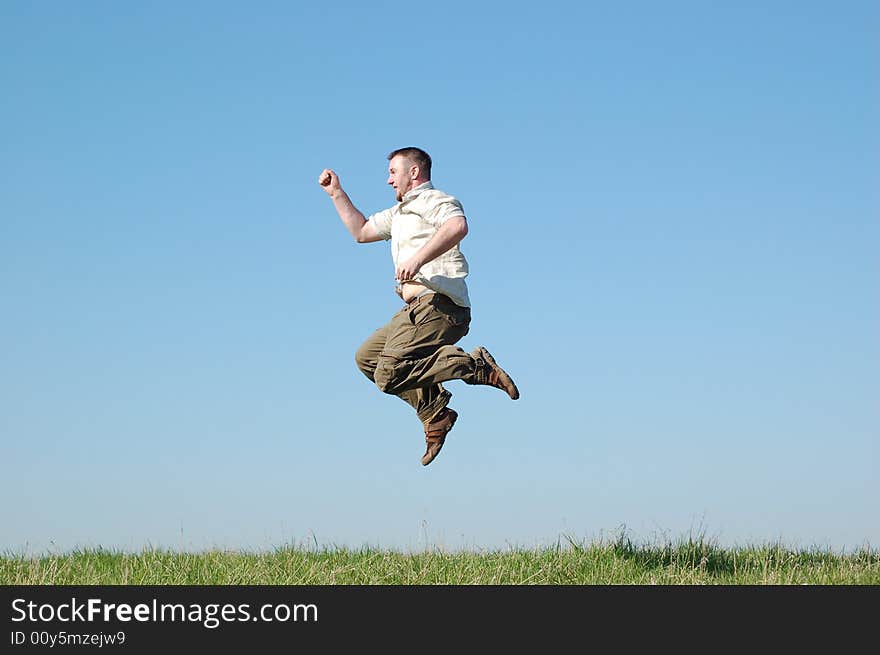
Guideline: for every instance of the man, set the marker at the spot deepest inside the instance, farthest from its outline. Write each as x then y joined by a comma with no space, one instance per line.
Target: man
413,354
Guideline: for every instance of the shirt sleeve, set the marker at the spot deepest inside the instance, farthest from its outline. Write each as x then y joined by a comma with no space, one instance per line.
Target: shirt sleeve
382,222
446,209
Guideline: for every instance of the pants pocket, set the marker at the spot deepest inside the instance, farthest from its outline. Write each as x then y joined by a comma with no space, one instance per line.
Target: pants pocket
455,315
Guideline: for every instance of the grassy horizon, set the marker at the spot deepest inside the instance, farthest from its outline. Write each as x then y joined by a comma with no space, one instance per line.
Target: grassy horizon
686,562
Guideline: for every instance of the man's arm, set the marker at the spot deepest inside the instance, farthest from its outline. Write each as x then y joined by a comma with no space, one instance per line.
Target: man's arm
360,228
449,234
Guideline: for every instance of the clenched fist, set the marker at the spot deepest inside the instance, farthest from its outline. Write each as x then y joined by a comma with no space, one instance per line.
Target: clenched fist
329,181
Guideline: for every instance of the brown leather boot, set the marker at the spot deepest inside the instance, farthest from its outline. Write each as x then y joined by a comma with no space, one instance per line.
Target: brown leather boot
435,433
488,372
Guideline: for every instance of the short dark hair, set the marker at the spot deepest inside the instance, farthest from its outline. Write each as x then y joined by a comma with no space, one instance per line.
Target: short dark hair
416,155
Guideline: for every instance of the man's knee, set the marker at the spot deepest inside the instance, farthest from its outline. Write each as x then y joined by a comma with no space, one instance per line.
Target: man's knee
365,363
388,375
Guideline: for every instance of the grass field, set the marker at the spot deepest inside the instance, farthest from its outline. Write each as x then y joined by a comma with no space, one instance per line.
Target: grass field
687,562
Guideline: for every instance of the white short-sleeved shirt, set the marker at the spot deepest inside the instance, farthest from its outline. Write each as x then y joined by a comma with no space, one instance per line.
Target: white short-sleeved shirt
411,223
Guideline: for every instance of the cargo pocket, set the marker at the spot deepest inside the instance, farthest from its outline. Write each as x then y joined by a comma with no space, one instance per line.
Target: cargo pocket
456,315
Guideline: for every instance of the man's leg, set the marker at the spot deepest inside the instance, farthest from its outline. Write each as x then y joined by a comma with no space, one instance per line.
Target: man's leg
367,359
413,354
418,354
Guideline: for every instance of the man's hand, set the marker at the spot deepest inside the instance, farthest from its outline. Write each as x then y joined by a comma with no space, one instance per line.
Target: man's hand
330,182
407,270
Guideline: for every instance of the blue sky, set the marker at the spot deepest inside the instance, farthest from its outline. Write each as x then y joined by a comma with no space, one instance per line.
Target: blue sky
673,214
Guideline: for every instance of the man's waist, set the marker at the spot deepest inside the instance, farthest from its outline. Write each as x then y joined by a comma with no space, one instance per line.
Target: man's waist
411,291
454,289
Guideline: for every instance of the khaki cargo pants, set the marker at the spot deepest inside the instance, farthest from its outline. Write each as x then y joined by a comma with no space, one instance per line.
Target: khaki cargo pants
411,355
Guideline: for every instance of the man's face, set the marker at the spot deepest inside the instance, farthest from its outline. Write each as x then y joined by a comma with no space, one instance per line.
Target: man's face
401,175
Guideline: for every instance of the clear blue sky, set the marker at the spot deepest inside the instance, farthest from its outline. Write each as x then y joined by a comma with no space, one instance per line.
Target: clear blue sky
673,243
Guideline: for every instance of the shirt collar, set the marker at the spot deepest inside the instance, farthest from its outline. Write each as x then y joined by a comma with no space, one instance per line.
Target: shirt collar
412,193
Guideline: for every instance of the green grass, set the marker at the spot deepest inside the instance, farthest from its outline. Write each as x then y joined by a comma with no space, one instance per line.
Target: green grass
687,562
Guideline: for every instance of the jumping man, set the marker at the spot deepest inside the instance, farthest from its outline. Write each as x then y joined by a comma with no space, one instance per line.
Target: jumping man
413,354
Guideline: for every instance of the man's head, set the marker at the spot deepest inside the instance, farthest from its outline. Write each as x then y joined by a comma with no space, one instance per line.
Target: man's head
408,168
